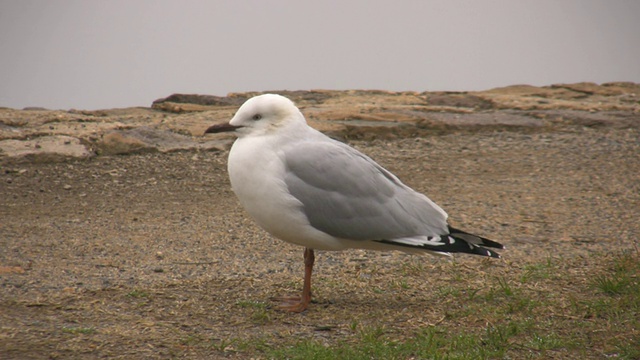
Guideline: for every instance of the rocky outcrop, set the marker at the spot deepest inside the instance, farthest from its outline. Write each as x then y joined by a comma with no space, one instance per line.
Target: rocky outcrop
46,148
147,138
177,122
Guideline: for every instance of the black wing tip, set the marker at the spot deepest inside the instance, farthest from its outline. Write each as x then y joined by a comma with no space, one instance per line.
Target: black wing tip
490,253
474,249
476,245
452,244
492,244
484,242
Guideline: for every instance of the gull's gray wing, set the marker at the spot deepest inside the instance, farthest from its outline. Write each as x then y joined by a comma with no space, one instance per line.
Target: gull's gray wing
347,195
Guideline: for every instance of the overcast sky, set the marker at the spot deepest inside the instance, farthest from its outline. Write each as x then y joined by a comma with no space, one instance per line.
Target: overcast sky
84,54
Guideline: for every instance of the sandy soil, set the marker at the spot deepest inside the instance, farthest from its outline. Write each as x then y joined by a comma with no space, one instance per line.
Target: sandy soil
133,256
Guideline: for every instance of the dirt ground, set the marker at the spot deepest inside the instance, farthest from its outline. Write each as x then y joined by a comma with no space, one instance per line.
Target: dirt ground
143,256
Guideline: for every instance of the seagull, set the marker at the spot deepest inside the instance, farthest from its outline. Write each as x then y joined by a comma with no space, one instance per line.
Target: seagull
310,190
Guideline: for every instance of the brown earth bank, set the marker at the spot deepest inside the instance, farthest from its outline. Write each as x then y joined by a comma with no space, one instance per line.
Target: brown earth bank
135,247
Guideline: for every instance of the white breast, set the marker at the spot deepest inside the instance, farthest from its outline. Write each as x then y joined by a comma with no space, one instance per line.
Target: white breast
256,171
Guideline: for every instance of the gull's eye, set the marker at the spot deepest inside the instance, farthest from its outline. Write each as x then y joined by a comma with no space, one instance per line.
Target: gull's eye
256,117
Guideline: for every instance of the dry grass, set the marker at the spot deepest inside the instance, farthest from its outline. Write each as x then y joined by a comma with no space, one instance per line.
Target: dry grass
150,256
579,308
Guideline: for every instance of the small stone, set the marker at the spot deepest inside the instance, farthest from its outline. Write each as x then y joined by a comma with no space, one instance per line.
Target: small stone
67,187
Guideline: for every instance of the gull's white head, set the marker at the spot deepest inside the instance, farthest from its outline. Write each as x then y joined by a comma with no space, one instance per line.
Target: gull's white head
262,114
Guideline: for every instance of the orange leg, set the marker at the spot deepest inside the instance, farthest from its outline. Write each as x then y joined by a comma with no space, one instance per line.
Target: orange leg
297,303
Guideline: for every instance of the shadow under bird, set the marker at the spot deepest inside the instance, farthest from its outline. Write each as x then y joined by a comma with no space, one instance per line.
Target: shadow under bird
308,189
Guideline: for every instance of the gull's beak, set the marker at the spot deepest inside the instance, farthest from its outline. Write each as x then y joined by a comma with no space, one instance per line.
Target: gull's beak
218,128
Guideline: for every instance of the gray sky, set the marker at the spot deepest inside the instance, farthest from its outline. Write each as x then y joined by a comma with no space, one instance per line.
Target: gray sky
84,54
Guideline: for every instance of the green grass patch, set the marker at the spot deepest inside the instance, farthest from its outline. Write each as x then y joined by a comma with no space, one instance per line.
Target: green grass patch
251,304
79,330
621,277
259,312
584,308
432,343
536,311
138,294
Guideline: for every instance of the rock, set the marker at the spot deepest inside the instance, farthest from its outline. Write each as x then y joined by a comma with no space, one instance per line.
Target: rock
146,139
625,86
181,103
580,97
591,88
122,142
300,97
207,100
45,149
178,108
458,100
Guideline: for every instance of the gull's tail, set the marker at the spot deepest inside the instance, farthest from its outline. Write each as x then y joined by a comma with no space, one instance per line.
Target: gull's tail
457,241
475,244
